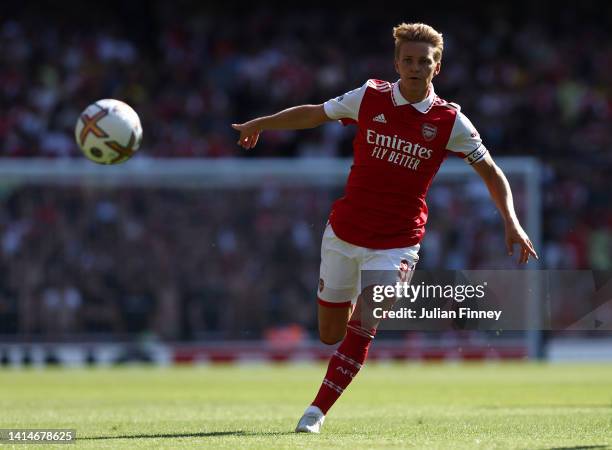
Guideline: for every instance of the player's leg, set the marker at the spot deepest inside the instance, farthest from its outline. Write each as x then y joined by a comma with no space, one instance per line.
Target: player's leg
339,279
349,357
332,322
338,282
383,267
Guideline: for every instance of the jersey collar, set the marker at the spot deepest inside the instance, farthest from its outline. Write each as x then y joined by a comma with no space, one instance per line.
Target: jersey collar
422,106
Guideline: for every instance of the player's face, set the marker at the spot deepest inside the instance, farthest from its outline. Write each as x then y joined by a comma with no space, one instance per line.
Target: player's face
416,66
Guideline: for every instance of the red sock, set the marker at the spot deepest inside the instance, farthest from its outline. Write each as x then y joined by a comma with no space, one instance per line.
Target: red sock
344,364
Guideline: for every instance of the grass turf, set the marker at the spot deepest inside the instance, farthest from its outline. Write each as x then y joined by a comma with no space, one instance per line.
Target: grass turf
444,406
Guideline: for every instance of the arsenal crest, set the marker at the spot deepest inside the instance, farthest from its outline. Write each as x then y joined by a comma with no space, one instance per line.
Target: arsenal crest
429,131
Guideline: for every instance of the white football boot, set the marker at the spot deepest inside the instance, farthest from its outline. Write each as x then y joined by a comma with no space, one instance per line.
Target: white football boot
311,421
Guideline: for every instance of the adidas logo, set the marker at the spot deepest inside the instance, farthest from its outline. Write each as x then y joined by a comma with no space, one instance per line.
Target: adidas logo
380,118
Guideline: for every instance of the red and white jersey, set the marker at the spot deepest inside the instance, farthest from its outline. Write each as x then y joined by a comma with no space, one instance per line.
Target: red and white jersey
398,148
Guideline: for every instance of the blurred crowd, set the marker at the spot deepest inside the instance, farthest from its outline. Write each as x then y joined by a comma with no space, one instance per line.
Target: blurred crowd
534,82
175,263
193,264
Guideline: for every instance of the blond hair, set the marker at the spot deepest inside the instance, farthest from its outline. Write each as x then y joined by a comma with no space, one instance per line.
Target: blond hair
418,32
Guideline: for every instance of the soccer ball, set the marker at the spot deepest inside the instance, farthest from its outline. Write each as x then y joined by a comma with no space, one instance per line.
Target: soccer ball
108,132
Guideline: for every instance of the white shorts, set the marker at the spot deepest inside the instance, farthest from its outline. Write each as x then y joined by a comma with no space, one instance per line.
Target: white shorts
342,265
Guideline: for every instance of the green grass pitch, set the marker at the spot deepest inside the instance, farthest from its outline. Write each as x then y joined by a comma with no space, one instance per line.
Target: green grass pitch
445,406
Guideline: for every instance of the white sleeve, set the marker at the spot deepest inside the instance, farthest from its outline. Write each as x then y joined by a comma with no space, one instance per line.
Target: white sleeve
346,106
465,139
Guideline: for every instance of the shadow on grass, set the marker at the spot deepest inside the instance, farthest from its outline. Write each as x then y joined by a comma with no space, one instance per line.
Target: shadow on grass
580,447
583,406
183,435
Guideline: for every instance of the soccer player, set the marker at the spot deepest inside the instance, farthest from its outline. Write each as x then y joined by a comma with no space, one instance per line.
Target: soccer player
404,132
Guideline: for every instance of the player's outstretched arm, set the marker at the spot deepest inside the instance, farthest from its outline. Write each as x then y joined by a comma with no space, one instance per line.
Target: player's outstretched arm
296,118
499,188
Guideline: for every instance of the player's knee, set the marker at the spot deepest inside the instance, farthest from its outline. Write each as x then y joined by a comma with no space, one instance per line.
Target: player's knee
330,336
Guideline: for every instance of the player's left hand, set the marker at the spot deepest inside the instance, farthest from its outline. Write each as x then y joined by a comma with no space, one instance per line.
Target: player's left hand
516,235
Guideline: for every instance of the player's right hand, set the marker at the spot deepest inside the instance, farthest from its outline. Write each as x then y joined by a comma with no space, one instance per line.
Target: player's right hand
249,134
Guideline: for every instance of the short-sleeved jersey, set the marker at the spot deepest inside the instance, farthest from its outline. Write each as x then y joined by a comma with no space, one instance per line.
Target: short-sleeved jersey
398,149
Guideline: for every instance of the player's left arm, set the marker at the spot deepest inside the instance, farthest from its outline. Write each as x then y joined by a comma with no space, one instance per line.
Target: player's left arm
465,141
500,191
